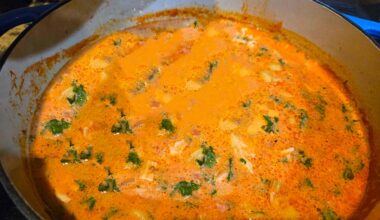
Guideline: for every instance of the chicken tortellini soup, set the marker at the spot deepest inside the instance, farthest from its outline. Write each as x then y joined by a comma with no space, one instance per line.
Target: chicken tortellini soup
204,118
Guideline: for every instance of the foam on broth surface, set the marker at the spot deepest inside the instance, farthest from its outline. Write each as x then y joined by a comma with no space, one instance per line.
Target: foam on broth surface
209,118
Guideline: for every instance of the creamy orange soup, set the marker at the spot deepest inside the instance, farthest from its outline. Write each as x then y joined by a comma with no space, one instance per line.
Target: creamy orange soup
211,119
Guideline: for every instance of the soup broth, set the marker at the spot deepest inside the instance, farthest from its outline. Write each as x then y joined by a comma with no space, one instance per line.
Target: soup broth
206,118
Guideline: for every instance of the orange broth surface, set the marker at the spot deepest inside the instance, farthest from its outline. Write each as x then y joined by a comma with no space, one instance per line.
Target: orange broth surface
212,119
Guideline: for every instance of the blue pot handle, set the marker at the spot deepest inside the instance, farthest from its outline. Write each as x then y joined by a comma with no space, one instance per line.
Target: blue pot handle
25,15
371,28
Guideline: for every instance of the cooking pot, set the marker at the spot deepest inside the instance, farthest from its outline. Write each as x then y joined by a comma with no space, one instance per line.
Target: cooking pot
64,24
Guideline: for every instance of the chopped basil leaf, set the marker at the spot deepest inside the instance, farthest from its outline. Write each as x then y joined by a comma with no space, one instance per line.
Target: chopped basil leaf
306,161
134,158
56,127
320,107
153,73
86,154
117,42
186,188
276,99
111,212
209,157
108,185
328,214
243,161
112,99
140,86
213,192
210,70
71,156
121,127
195,24
99,158
348,174
281,61
344,108
230,173
247,104
263,50
79,97
271,126
82,186
308,183
90,202
304,117
167,125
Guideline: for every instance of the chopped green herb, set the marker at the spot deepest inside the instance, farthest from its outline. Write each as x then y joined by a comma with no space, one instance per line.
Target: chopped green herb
191,205
90,202
284,160
306,161
243,161
281,61
134,158
121,111
344,108
112,99
350,125
86,154
108,169
348,174
99,158
111,212
131,146
213,192
82,186
289,105
186,188
336,191
195,24
265,181
247,104
263,49
328,214
209,157
304,117
79,95
153,73
271,126
71,156
230,173
358,165
167,125
121,127
276,99
211,68
140,86
56,127
308,183
108,185
117,42
320,107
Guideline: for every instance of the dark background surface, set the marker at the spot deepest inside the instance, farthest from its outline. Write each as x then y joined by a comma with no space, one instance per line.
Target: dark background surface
369,9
